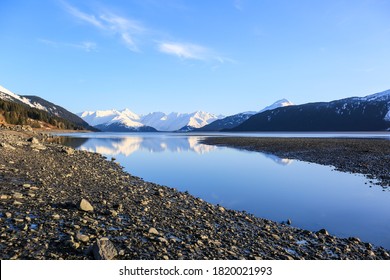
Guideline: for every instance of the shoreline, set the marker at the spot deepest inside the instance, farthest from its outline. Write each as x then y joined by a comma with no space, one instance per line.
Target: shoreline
42,185
370,157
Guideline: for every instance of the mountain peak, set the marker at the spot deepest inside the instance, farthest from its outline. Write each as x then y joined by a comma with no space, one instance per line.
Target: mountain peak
163,122
280,103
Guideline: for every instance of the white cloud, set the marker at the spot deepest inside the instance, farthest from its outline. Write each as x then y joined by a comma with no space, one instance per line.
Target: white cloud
86,46
131,32
191,51
188,51
91,19
129,42
110,22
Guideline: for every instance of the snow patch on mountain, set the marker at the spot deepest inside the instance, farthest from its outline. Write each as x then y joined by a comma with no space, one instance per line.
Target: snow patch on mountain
380,96
158,120
280,103
8,95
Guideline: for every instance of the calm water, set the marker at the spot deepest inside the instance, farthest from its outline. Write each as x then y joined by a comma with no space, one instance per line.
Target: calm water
311,195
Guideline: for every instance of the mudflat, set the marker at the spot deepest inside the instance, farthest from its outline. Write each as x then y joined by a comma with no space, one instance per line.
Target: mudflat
61,203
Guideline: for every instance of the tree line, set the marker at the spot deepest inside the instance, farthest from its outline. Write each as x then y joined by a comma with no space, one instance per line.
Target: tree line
19,114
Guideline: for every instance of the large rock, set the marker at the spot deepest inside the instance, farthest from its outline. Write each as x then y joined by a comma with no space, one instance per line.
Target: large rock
67,150
33,140
85,205
6,146
104,249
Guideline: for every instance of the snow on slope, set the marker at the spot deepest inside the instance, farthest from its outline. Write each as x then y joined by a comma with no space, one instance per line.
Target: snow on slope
157,120
175,121
277,104
98,117
8,95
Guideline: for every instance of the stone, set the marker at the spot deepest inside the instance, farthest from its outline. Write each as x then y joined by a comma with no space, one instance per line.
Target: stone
82,237
67,150
220,208
152,230
56,217
38,147
289,222
6,146
275,236
113,213
323,231
8,215
84,205
104,249
33,140
17,195
162,240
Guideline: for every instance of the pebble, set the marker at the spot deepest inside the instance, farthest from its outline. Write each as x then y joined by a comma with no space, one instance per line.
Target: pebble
84,205
56,217
154,231
82,237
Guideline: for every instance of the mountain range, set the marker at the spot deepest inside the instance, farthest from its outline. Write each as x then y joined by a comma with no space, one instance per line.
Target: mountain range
369,113
126,120
235,120
38,112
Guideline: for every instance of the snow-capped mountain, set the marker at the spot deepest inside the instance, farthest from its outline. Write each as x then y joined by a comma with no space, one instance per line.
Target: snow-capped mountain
150,122
8,95
115,121
369,113
280,103
235,120
37,103
178,121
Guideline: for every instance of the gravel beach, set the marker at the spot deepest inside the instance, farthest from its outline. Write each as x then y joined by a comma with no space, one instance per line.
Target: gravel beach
61,203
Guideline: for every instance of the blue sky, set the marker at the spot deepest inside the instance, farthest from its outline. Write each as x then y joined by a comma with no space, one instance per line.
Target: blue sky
220,56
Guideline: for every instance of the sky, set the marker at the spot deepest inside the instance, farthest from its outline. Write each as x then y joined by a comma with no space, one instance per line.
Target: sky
220,56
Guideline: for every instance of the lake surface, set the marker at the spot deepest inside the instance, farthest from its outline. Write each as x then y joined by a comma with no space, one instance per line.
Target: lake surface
311,195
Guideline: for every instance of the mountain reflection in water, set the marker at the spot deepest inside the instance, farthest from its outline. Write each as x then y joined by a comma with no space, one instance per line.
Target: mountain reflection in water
128,146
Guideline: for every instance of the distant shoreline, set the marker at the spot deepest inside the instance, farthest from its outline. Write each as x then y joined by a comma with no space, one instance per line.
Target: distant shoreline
356,155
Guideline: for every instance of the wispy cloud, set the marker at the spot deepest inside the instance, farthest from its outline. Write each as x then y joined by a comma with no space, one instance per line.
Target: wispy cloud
238,4
187,51
82,16
85,46
132,32
125,28
190,51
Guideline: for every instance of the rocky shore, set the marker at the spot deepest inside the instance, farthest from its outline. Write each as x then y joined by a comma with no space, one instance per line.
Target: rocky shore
60,203
370,157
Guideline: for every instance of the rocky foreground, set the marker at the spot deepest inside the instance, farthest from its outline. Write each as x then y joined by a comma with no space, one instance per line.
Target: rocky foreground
60,203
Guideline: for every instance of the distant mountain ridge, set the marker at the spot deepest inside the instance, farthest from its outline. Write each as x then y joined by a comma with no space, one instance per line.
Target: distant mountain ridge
18,109
235,120
369,113
126,120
